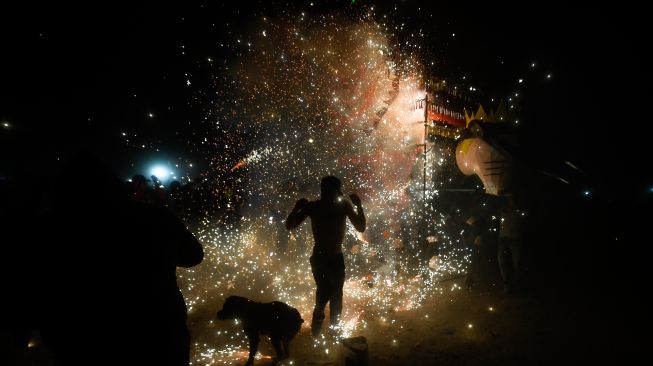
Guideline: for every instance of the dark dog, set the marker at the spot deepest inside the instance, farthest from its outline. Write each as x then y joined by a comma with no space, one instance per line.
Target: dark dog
275,318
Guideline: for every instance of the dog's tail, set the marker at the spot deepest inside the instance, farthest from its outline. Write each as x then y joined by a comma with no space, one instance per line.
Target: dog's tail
298,316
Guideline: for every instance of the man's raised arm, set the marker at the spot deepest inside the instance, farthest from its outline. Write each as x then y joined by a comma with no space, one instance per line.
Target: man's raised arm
357,218
298,214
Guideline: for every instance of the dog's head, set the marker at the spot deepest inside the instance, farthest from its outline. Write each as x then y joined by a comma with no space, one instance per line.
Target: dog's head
232,307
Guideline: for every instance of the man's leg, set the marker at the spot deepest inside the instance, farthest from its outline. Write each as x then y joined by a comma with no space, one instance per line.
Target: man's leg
322,293
337,277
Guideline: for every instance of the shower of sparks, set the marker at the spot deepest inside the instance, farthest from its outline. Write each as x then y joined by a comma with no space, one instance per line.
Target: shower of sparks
307,97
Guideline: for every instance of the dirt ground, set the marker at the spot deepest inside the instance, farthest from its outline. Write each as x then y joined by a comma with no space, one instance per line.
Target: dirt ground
477,326
484,326
570,311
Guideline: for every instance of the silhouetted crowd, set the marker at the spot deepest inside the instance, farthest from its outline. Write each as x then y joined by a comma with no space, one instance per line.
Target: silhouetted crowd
218,200
94,271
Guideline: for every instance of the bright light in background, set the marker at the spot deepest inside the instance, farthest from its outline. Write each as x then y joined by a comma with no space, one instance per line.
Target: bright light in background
161,172
587,193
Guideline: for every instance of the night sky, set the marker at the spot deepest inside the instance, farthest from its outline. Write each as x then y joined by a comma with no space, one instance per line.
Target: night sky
78,75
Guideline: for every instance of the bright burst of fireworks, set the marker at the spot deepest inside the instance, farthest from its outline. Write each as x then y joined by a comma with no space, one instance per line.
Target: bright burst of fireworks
308,97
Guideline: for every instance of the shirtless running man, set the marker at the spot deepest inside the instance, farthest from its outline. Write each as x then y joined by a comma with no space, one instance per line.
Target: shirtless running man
328,222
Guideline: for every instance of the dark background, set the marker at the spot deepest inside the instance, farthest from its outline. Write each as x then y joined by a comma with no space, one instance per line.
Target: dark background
70,72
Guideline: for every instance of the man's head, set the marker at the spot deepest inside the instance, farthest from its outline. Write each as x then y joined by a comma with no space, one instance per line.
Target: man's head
330,187
140,182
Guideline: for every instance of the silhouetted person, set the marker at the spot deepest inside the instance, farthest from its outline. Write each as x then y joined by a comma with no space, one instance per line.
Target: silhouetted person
141,191
276,221
509,248
158,195
175,199
109,292
472,239
328,222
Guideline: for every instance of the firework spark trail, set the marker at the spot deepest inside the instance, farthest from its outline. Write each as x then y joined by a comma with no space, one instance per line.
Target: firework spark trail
306,98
